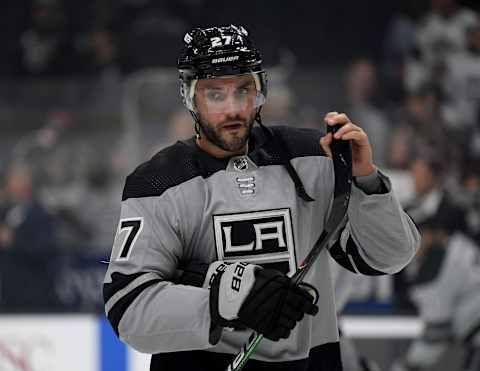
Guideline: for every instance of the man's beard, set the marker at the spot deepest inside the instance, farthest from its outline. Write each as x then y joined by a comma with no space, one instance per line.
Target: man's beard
236,143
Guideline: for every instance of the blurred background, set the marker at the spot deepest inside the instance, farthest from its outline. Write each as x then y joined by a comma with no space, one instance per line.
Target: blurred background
89,89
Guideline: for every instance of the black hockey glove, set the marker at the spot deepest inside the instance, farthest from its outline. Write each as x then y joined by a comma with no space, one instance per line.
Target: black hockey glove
265,300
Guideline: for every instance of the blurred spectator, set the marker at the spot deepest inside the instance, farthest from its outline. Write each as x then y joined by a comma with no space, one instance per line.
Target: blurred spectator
442,31
59,165
432,201
98,51
99,57
462,83
45,153
469,197
98,211
431,206
361,89
31,148
45,47
28,246
104,50
26,223
420,126
400,50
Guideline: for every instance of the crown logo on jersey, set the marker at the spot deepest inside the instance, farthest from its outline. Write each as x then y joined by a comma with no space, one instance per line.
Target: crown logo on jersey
240,164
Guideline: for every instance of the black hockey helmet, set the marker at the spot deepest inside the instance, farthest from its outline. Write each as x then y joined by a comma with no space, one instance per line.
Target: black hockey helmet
215,52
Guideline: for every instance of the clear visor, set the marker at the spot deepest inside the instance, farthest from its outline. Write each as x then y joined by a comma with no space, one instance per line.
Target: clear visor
227,94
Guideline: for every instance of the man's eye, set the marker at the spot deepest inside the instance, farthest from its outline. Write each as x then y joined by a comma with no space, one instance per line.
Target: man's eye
245,91
215,96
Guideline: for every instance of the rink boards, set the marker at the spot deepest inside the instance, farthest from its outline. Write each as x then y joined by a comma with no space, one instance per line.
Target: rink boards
87,343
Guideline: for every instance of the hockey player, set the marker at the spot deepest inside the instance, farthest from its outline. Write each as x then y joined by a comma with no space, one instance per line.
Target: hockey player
254,197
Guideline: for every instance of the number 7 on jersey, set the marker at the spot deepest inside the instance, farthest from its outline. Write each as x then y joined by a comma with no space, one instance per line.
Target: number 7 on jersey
133,226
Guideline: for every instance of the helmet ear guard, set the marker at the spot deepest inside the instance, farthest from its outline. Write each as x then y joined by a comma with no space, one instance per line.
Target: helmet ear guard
187,92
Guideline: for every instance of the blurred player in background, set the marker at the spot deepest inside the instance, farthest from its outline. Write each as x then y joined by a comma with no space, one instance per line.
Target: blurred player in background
446,292
444,278
202,215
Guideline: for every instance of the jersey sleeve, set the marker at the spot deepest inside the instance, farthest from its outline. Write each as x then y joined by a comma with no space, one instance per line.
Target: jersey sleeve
378,236
144,307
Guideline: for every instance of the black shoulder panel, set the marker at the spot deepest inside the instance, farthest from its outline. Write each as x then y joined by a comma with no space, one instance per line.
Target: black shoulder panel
170,167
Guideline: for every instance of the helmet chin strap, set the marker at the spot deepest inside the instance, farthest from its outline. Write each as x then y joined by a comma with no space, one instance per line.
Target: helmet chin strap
196,124
258,119
285,158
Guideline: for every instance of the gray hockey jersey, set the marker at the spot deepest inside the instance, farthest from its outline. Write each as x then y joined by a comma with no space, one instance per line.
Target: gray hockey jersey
184,205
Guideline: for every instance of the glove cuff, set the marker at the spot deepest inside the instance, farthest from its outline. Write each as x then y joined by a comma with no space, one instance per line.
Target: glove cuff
229,288
215,268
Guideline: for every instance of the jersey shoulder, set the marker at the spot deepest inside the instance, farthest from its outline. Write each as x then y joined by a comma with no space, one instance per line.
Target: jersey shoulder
168,168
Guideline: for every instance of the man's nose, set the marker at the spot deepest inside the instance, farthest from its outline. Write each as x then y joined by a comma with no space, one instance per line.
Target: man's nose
232,104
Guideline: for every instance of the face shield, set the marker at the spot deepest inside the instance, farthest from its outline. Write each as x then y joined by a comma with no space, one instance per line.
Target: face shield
227,94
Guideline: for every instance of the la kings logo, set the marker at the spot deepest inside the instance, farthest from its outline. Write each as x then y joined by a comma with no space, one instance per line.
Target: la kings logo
260,237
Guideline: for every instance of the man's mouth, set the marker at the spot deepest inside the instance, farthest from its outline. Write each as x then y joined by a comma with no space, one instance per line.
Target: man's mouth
232,125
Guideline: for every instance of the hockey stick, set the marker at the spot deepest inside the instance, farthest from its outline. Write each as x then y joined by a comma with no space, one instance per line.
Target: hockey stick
342,164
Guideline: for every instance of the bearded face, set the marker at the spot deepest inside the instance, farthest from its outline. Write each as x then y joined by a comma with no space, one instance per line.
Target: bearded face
226,110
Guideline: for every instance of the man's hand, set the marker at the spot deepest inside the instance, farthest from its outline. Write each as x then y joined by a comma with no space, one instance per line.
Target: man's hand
247,296
362,162
264,300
